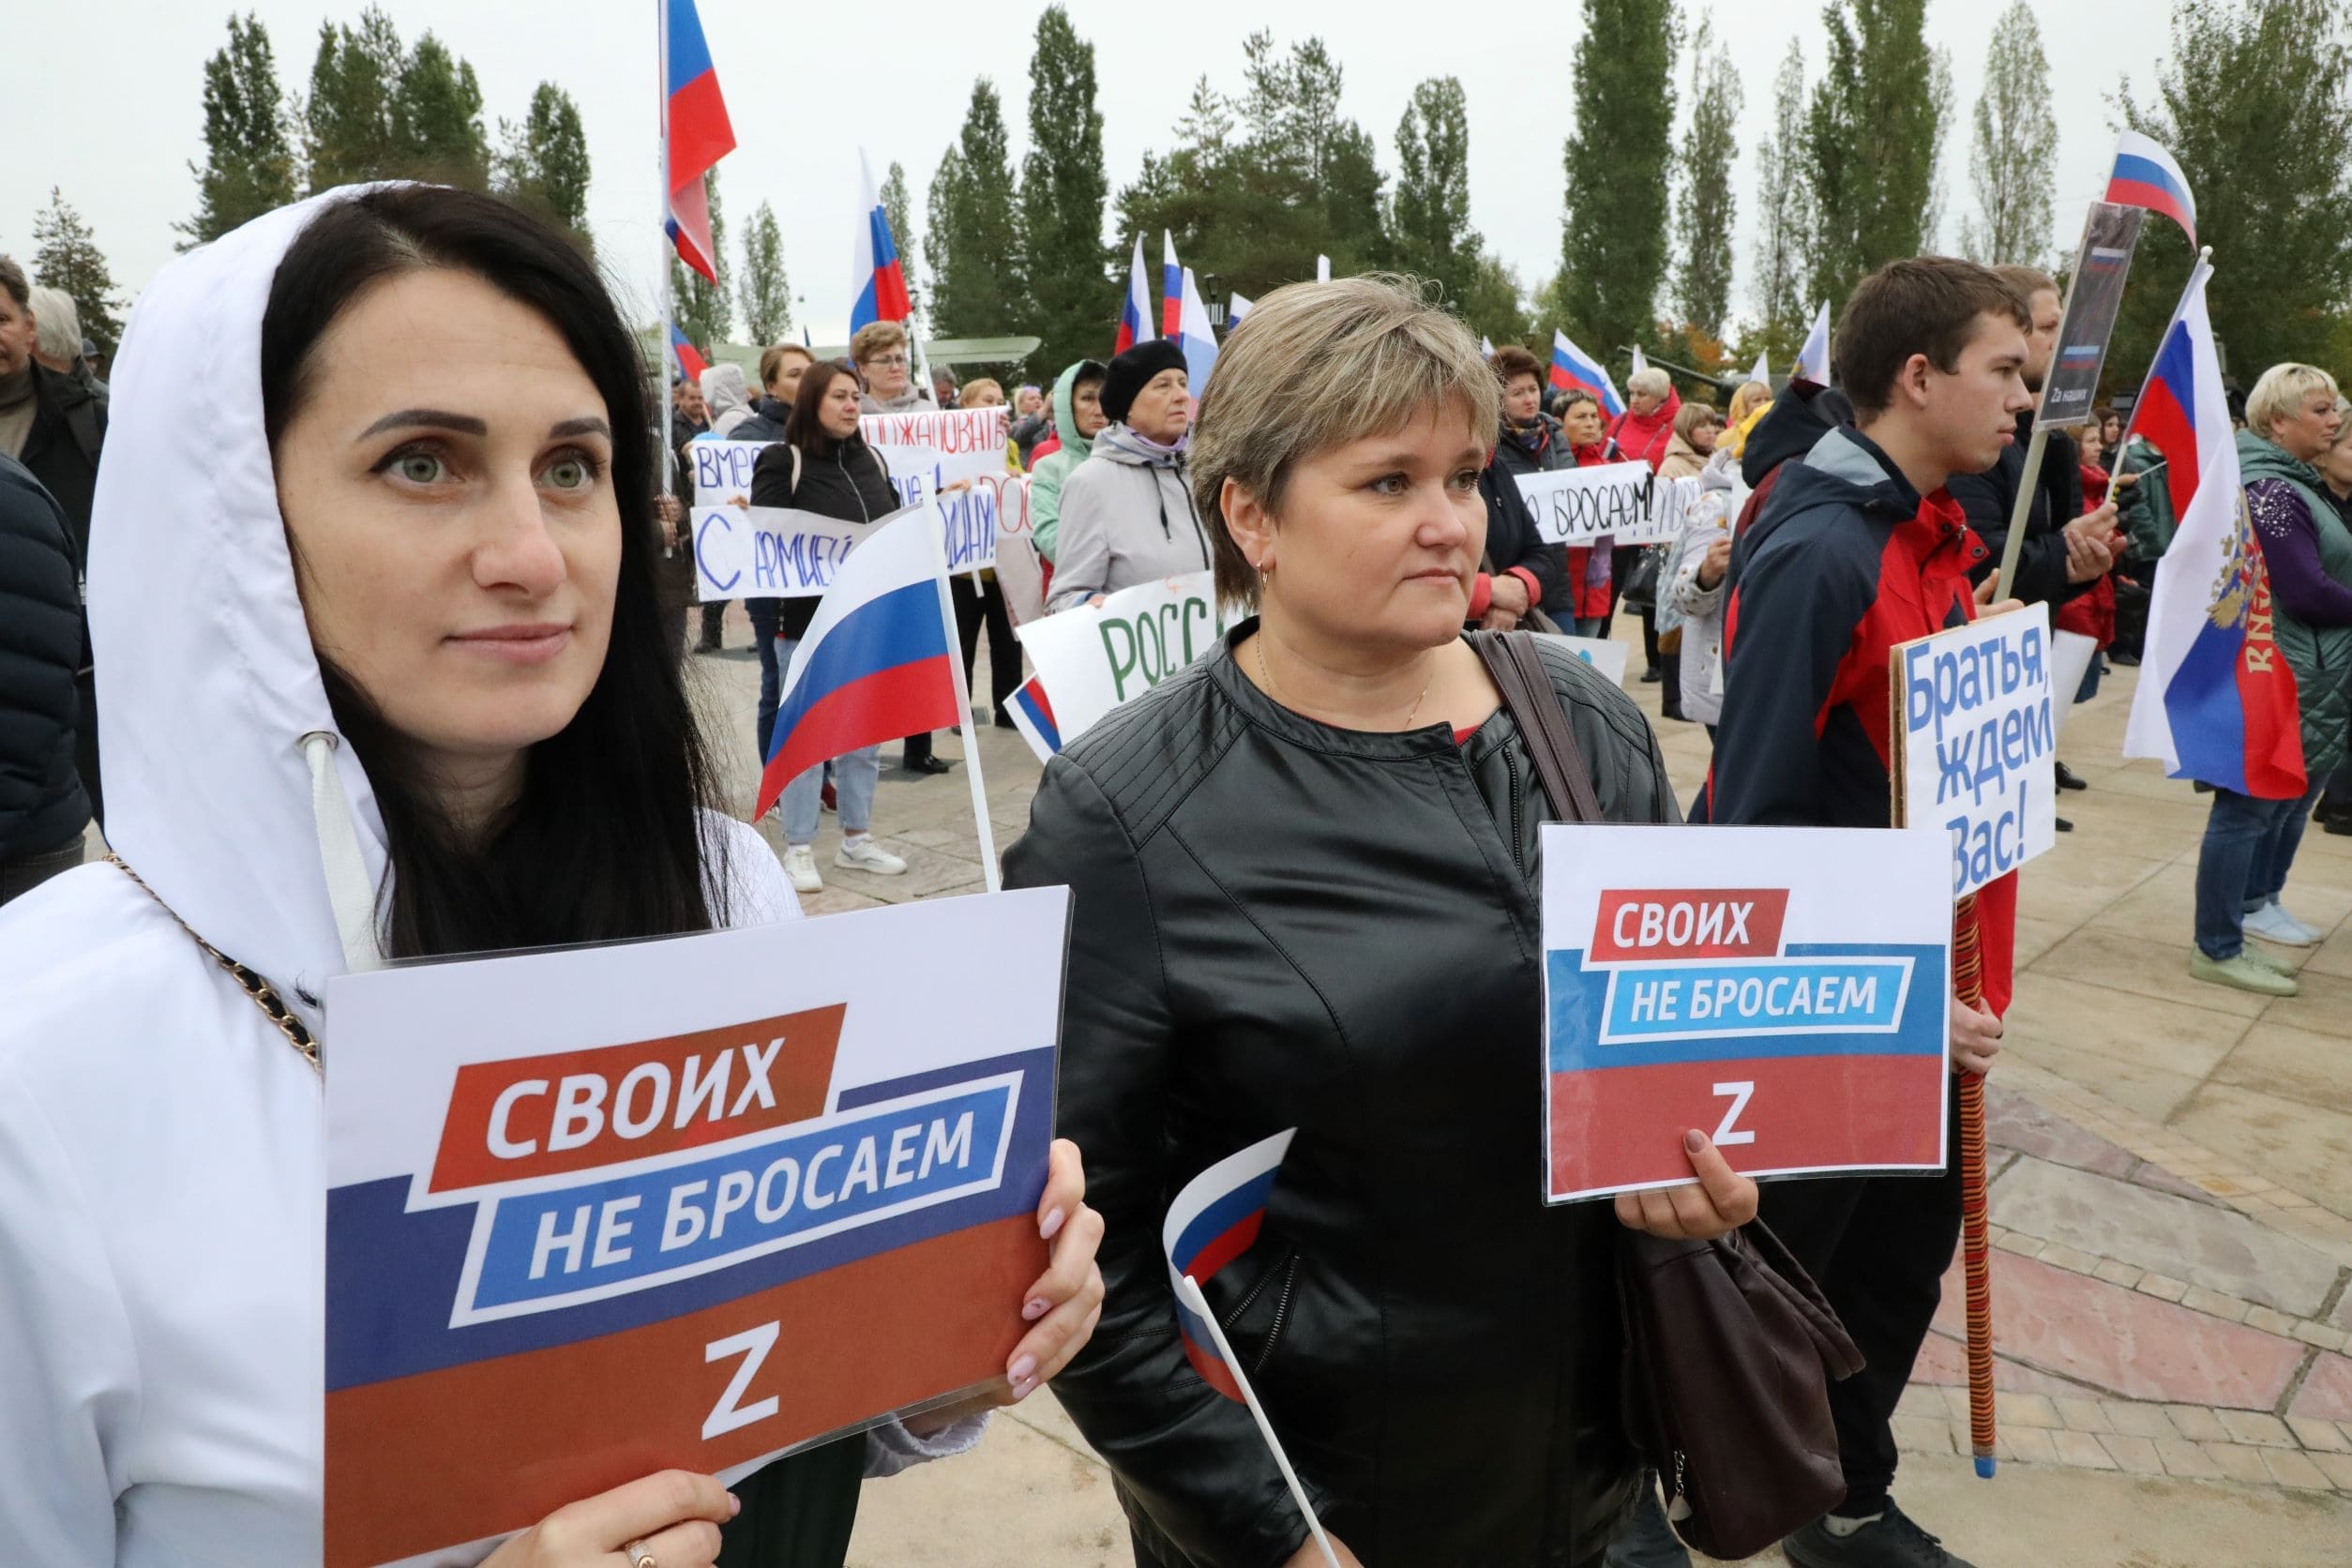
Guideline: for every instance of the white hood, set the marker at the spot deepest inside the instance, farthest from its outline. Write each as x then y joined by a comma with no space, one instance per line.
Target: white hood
207,682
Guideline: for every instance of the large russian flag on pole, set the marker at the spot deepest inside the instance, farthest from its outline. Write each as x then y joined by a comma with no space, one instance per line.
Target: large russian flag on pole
1575,371
1197,337
1214,1221
875,270
2216,700
2145,175
691,363
1135,312
699,135
877,660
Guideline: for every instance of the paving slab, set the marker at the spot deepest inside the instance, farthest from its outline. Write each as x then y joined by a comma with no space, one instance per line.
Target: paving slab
2217,1248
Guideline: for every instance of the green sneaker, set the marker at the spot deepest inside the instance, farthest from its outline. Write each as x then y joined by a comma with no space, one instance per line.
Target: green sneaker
2244,972
2269,960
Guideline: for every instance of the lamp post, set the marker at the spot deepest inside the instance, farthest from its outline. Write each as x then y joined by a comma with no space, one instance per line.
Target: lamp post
1209,285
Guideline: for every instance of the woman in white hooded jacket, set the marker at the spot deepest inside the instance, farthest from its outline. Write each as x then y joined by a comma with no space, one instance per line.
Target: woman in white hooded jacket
372,584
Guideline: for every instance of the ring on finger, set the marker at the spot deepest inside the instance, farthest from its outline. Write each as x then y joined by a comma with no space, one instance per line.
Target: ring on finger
637,1554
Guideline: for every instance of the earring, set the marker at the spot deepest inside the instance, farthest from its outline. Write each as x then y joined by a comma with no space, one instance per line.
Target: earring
1266,567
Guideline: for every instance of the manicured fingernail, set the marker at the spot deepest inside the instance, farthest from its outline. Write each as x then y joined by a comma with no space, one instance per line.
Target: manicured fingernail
1035,1310
1052,1225
1023,1371
1022,1389
735,1506
1694,1141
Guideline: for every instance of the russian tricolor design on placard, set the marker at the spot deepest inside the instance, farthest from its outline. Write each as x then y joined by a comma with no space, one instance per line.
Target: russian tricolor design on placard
699,135
1135,312
1740,1004
1575,371
1032,716
2216,700
2144,175
1214,1221
877,660
875,271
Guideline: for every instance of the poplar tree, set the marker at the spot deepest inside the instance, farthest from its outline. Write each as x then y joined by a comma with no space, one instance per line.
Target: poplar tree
1613,238
1429,222
66,256
437,119
1707,204
2012,150
543,162
1072,303
347,118
1784,215
248,166
899,211
1870,144
761,289
974,249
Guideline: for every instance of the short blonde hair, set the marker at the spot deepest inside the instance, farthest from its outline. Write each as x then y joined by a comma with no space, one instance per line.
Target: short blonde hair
875,339
1652,380
1747,399
976,384
2280,394
1316,366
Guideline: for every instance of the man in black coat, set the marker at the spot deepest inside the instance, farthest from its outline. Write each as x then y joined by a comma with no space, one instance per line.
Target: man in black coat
54,426
42,806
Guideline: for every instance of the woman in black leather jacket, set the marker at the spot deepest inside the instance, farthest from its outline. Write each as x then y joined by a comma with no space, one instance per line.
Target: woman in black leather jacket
1305,887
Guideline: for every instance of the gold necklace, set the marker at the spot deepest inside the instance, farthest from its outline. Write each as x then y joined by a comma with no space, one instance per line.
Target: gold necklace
1275,689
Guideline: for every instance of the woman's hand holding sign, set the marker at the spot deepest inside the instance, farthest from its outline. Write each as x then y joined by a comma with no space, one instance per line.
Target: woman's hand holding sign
1720,1201
671,1516
1976,1036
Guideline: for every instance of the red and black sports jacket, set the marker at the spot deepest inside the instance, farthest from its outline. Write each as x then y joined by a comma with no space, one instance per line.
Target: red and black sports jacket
1846,562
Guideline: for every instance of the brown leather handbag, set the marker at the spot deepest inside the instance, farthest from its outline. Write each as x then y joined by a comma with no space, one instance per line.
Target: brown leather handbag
1730,1346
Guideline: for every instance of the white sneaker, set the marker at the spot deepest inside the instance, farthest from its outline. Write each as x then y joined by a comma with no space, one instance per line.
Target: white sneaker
2271,922
800,863
863,855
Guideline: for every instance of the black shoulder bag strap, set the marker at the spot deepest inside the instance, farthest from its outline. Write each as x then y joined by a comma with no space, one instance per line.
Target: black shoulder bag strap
1527,691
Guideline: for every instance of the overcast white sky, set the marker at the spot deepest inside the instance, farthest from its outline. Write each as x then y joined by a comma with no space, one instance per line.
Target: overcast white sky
112,112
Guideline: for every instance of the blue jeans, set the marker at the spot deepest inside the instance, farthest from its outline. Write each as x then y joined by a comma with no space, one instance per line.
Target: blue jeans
765,616
855,777
1589,625
2249,846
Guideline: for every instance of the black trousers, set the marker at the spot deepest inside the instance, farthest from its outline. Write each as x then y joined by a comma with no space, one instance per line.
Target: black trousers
987,604
1878,1247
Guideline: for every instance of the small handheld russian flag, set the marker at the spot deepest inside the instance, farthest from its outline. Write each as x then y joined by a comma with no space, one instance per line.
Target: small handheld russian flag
1172,289
1575,371
1196,337
690,363
1135,312
1214,1221
1032,716
2146,176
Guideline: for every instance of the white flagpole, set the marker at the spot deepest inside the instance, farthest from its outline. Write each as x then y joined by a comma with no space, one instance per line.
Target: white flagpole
1190,1291
667,355
990,871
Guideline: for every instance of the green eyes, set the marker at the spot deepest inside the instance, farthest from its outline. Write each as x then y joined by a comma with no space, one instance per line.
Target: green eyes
570,473
419,468
1397,484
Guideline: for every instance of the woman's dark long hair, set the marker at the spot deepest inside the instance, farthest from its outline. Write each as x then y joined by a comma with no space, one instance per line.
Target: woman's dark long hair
606,841
805,427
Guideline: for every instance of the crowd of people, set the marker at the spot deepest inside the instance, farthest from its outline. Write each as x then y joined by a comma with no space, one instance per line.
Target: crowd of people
1306,879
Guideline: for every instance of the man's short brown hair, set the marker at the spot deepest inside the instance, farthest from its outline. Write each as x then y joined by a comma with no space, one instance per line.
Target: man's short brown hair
1920,304
12,280
2027,280
1511,362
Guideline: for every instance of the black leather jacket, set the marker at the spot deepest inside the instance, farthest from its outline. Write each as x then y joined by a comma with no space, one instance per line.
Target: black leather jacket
1279,924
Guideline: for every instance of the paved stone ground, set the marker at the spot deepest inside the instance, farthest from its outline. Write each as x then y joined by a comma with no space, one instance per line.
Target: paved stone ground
2172,1200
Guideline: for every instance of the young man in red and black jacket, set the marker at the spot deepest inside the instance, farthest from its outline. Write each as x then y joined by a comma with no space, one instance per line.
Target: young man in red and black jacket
1860,549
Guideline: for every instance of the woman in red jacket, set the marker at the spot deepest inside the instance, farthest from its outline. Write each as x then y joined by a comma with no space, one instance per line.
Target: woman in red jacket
1591,590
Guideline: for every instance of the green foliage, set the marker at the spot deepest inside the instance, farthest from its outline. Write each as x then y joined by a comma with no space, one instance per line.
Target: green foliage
1494,305
543,162
1870,144
1613,239
1430,226
1063,187
377,111
700,307
1706,205
2013,153
762,288
437,119
1785,217
1260,184
66,256
975,245
248,165
2253,103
